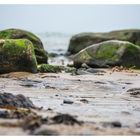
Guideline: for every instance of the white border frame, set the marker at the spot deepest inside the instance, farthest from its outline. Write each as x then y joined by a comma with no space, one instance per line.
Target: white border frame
69,1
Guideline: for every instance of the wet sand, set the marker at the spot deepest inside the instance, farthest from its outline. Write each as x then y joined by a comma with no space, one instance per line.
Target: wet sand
98,100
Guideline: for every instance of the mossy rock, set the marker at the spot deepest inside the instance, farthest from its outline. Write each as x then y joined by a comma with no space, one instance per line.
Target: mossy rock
17,55
46,68
83,40
109,54
41,54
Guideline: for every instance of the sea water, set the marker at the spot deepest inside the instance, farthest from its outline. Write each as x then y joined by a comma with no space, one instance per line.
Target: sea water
58,43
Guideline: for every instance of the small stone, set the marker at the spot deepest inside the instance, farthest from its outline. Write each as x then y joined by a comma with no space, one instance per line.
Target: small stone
65,119
8,100
112,124
4,114
84,65
44,132
49,109
84,100
116,124
134,91
68,102
138,125
99,82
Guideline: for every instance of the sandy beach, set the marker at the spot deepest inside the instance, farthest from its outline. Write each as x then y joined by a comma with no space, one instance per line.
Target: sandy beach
100,101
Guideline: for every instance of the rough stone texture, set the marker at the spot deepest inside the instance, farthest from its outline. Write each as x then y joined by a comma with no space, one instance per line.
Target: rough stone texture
41,54
10,100
46,68
17,55
134,91
83,40
109,54
66,119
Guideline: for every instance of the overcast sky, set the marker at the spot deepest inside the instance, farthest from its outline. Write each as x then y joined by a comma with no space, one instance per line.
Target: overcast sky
69,18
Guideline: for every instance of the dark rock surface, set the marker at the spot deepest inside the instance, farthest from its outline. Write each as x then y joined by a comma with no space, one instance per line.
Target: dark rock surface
83,40
17,55
41,54
8,100
109,54
65,119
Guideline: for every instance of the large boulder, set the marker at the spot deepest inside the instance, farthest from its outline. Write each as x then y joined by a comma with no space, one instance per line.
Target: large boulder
83,40
108,54
41,54
17,55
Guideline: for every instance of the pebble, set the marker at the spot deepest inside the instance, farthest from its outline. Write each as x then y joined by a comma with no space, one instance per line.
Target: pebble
68,102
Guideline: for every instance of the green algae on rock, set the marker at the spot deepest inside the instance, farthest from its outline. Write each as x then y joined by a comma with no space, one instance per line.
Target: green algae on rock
46,68
109,54
83,40
17,55
41,54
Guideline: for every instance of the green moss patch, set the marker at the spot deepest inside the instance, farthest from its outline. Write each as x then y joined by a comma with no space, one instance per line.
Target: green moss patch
41,54
46,68
108,54
83,40
17,55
